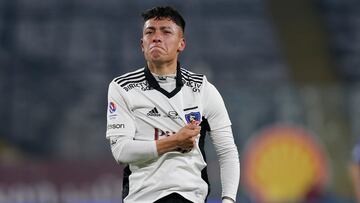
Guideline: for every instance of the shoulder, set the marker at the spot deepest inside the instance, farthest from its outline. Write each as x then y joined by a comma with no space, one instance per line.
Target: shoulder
130,80
130,77
189,76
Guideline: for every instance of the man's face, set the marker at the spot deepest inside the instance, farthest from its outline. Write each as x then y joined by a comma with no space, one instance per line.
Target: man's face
162,40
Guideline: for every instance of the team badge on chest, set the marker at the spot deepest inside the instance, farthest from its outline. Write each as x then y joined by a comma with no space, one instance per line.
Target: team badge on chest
193,117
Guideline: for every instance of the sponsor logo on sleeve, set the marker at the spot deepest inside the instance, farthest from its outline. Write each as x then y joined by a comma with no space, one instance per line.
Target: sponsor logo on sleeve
112,107
193,117
115,126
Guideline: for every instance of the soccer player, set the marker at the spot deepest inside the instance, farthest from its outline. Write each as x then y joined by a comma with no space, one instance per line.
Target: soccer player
158,117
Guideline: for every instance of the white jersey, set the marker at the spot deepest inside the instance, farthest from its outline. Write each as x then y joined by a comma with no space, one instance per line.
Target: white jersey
140,110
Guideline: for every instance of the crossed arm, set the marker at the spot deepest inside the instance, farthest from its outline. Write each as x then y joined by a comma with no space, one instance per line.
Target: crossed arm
126,150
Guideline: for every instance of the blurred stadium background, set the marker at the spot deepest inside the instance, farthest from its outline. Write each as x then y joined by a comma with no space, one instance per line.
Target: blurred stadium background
276,62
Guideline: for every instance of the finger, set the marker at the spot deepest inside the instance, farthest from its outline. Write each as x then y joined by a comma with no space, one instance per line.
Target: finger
193,140
195,122
191,126
196,131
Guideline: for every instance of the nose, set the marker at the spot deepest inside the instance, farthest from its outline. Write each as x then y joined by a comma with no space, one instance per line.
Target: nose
157,37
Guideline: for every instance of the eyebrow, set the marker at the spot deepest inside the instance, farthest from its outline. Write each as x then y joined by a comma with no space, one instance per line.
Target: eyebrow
161,28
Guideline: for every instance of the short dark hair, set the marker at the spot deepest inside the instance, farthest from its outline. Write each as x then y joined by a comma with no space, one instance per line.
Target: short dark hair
161,12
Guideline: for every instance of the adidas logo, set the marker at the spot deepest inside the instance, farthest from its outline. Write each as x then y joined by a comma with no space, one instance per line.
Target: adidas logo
153,112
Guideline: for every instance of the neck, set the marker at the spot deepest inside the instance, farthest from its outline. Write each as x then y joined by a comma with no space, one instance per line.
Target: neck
166,68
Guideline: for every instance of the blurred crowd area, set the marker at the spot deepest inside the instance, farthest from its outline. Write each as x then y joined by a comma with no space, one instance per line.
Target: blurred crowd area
274,62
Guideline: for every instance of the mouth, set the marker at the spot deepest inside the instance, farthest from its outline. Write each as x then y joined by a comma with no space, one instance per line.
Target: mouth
156,47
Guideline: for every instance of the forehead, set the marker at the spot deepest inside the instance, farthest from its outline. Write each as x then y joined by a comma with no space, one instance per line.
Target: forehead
163,22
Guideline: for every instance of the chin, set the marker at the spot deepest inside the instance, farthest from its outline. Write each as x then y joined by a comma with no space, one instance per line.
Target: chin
156,58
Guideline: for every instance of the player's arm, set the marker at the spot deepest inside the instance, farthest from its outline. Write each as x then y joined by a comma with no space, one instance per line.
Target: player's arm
126,150
227,153
183,140
121,130
223,140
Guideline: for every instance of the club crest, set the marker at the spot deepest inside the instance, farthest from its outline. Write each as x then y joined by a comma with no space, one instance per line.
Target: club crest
193,117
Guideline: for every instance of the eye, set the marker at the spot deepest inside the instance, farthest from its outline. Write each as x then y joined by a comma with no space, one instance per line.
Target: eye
148,32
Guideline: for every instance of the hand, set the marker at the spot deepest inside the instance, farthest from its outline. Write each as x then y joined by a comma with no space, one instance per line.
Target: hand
186,137
183,141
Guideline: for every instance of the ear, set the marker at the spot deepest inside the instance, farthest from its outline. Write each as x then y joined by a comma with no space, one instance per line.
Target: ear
182,45
142,44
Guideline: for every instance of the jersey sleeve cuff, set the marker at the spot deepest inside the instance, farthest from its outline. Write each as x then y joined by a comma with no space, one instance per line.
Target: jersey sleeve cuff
228,197
154,149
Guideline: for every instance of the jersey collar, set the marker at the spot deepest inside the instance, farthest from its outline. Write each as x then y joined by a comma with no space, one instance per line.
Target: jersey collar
154,84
